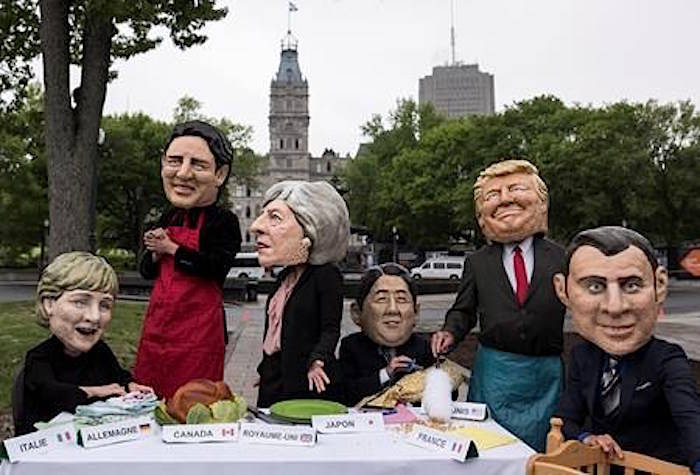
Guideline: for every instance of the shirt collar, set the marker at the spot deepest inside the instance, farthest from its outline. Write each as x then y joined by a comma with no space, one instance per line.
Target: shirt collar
525,245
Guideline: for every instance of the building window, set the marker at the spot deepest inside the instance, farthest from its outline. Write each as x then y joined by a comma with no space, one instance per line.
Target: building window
247,191
247,237
247,211
328,167
296,144
289,163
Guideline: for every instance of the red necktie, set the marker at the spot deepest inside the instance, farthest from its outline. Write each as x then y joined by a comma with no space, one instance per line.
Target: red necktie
520,275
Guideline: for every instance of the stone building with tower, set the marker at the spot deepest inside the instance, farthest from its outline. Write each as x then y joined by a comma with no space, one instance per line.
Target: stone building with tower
289,157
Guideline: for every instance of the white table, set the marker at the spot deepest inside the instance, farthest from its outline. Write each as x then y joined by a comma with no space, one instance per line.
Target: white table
334,454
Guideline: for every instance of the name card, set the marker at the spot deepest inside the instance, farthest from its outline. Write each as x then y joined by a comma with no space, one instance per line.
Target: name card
196,433
115,432
457,448
27,446
469,410
277,434
366,422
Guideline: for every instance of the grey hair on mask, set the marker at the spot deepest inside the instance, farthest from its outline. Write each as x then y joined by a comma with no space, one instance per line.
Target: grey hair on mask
322,214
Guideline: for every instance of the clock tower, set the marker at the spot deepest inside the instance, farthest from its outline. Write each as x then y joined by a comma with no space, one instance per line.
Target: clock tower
289,117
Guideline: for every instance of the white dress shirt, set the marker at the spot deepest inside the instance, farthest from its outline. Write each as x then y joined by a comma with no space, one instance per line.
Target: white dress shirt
528,252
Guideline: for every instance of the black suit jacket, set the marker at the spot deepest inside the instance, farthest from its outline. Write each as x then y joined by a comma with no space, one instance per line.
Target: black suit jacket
486,294
659,411
310,325
361,362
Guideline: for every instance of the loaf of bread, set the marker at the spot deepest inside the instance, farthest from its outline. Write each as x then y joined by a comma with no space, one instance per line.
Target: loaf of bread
198,390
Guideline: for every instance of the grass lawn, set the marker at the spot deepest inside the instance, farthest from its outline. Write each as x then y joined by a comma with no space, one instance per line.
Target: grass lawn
20,332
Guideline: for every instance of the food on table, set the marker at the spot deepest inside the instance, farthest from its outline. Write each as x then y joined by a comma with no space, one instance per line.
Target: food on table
410,387
201,401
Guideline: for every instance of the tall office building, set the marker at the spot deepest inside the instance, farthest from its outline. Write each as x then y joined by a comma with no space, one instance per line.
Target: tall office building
458,90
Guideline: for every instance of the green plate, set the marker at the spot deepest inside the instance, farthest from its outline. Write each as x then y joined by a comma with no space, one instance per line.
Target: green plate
301,410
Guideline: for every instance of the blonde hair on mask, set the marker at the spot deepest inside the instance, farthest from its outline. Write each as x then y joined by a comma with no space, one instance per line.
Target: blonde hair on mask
74,271
508,167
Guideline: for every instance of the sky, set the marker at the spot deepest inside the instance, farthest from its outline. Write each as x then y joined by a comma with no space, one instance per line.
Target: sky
361,56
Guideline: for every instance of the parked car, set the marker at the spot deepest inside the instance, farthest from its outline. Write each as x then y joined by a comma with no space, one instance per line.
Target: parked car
441,268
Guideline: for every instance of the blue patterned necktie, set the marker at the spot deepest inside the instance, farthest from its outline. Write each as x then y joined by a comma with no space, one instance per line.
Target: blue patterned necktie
610,387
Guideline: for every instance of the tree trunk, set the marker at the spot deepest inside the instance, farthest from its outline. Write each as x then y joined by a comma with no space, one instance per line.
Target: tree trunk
71,134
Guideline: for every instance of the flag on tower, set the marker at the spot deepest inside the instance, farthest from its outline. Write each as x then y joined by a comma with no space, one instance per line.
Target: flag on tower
292,7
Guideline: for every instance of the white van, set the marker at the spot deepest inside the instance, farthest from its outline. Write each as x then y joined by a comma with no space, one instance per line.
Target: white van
440,268
246,266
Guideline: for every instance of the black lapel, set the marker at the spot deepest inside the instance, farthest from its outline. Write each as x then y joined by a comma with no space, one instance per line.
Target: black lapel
495,262
593,372
306,275
630,378
539,273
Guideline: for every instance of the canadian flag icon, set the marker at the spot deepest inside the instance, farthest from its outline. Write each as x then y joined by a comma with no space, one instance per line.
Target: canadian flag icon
228,432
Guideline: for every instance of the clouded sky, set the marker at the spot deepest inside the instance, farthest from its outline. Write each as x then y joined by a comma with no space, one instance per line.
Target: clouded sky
360,56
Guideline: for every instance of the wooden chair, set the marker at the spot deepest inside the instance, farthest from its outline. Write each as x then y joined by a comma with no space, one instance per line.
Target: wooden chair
573,457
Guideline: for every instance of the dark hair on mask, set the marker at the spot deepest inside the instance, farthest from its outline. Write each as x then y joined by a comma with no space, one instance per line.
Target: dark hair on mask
218,144
611,240
373,274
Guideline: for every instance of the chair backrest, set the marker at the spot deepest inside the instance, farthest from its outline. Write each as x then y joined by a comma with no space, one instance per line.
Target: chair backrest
18,398
544,468
576,456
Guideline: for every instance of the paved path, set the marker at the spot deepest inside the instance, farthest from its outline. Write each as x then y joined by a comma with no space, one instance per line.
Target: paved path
246,323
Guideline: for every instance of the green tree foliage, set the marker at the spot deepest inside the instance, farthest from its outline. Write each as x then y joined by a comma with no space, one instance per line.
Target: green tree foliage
89,34
23,183
129,184
624,164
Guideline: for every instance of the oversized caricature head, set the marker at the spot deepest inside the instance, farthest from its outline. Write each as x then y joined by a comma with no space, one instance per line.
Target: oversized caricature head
511,201
74,299
386,306
301,222
196,164
613,287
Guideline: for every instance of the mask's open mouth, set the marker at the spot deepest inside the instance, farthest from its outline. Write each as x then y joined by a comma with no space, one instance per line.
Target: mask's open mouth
87,331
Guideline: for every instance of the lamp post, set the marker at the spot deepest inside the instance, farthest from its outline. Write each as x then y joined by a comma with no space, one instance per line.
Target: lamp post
92,237
395,234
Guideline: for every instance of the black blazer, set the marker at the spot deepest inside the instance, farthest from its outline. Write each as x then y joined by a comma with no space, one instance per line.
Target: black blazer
486,294
361,362
310,325
659,411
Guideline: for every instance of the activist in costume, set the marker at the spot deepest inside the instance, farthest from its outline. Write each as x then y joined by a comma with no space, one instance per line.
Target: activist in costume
507,286
386,349
303,226
74,367
188,254
627,390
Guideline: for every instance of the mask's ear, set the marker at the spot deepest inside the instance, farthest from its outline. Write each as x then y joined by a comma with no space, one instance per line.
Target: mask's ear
306,242
661,277
560,288
47,304
221,174
355,313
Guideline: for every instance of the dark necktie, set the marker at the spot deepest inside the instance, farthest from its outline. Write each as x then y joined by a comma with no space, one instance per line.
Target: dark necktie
520,275
610,388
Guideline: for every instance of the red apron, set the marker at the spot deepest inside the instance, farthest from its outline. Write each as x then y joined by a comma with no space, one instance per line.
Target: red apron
183,332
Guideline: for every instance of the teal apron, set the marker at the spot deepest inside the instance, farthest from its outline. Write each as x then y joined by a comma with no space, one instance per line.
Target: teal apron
521,392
